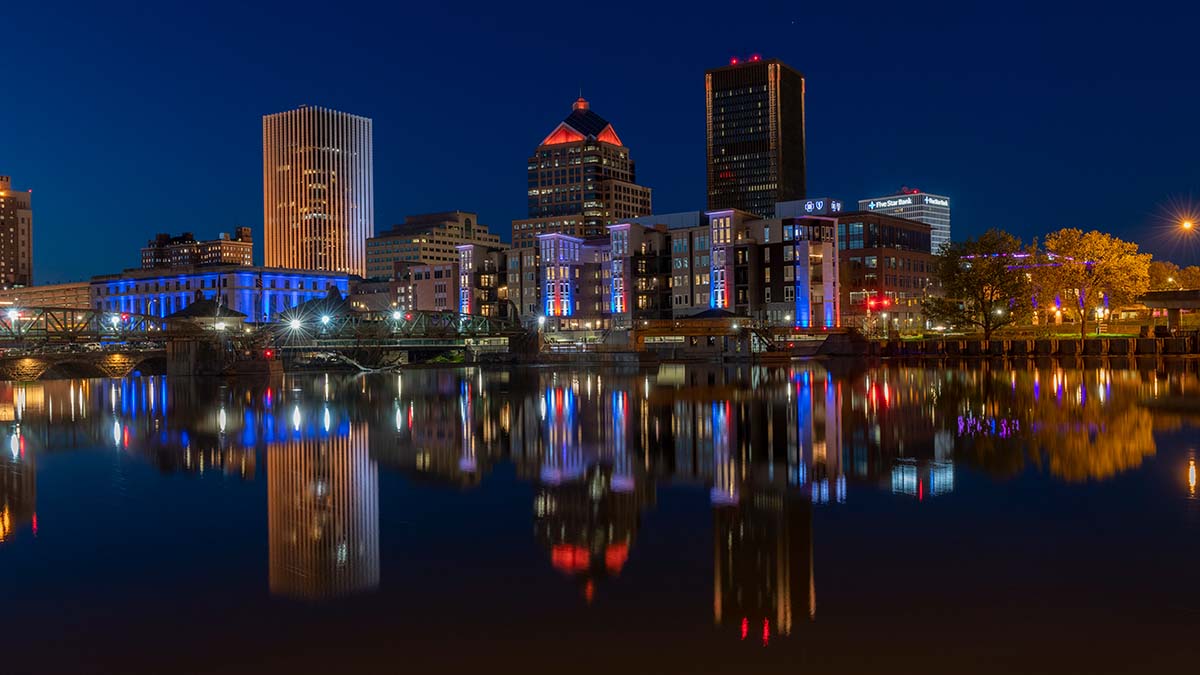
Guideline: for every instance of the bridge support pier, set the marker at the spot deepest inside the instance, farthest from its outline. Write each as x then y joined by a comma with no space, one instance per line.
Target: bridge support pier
1174,318
23,370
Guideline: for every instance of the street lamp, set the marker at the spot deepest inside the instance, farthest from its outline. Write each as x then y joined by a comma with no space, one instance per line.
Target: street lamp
325,319
541,321
294,324
396,315
1187,225
220,326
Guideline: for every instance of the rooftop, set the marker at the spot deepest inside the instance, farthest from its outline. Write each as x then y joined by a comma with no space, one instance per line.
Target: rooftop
580,125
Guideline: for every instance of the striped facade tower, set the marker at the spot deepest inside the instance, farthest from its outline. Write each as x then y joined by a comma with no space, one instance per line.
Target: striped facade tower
323,514
318,190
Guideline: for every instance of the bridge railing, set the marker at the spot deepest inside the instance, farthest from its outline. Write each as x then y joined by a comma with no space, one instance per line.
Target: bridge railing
312,327
20,325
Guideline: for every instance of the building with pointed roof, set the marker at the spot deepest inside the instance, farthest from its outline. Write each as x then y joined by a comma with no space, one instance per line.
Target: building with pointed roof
581,180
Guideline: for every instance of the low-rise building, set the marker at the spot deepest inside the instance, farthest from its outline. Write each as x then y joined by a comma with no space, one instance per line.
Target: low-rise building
888,269
174,252
781,271
261,293
431,238
71,295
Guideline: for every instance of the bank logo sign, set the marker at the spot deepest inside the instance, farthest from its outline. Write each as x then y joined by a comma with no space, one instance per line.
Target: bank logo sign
893,202
820,205
889,203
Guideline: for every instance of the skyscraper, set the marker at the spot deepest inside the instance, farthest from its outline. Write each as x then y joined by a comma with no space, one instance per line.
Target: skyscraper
581,178
914,204
318,190
16,236
755,114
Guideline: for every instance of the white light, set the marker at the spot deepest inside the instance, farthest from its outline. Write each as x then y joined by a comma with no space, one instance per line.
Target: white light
296,418
221,420
735,326
325,319
13,315
326,419
116,320
294,324
220,325
541,321
396,315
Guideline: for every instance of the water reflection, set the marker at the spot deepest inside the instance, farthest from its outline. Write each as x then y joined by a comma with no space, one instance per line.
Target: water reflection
767,446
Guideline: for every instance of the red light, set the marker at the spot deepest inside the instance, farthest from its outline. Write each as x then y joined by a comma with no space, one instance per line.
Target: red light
745,627
35,524
755,57
886,302
269,353
124,316
870,303
408,316
766,631
733,61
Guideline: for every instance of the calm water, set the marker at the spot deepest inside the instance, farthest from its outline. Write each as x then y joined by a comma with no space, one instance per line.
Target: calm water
894,519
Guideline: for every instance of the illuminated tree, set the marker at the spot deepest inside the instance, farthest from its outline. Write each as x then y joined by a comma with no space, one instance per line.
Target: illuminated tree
983,284
1164,276
1090,272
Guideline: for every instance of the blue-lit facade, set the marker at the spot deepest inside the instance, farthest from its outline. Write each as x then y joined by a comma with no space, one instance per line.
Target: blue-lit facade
258,292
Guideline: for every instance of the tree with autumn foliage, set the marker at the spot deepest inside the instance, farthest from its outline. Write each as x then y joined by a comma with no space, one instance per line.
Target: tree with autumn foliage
983,285
1088,271
1167,276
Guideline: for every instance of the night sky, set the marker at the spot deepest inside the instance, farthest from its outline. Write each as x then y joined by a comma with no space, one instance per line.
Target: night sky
129,119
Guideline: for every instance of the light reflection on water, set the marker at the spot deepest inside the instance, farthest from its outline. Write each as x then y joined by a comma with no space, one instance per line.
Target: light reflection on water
769,448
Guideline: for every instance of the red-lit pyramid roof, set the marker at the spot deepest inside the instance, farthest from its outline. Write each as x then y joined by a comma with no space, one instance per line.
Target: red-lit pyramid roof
581,124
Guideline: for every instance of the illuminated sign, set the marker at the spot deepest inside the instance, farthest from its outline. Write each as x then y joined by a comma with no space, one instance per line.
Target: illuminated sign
822,206
889,203
893,202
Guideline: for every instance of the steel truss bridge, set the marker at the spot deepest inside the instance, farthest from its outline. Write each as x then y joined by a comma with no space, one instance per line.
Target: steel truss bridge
34,329
34,325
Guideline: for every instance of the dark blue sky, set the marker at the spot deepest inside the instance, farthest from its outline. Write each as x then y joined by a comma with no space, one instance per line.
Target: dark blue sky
128,119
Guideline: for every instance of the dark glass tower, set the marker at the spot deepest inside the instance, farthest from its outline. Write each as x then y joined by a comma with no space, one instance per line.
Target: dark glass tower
755,113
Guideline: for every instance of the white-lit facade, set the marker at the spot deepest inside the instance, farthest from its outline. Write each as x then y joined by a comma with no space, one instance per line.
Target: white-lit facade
923,207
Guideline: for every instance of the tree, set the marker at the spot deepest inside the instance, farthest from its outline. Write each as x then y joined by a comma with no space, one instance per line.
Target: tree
1189,278
982,283
1085,272
1165,276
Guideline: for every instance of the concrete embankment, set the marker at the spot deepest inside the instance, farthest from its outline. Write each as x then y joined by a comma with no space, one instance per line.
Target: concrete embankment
975,347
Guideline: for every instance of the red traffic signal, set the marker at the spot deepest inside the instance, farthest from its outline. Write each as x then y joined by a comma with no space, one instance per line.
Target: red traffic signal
268,353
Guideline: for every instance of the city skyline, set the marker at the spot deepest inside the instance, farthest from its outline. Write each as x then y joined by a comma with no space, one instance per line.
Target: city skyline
981,143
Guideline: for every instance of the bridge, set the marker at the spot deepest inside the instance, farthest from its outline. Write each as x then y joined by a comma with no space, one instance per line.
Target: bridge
1174,302
95,343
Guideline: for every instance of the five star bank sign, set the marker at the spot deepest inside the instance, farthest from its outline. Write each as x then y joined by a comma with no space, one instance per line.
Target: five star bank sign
905,201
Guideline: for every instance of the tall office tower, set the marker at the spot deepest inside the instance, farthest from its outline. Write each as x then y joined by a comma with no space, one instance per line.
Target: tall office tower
755,113
914,204
581,178
322,510
16,236
318,190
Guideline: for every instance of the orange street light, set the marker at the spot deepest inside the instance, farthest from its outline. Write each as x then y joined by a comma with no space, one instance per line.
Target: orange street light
1187,225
